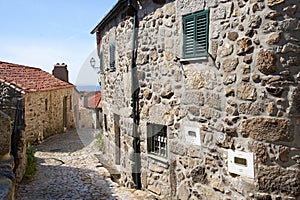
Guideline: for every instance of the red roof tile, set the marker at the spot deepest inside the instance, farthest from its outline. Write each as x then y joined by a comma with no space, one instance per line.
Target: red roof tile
95,101
29,79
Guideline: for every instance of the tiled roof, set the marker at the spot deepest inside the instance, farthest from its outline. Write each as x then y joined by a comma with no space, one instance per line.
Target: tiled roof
29,79
94,101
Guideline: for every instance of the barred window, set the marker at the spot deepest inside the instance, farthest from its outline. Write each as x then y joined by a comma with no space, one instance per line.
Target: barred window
157,142
195,34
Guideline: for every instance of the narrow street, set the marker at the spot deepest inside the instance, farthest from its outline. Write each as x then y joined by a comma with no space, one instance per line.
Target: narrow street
67,168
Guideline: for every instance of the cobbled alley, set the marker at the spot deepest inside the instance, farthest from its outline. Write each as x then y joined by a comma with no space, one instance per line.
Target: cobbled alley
67,168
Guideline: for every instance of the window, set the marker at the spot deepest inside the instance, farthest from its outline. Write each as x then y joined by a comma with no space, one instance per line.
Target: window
71,106
101,62
112,51
157,142
46,104
195,34
105,122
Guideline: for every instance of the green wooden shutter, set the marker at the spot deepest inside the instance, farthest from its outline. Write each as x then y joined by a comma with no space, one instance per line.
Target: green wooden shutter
188,36
195,34
112,50
201,26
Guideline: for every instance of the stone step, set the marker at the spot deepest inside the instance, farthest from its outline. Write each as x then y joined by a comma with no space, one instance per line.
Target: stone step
115,174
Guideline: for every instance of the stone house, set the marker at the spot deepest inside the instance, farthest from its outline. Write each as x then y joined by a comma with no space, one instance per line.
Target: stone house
89,110
94,104
201,98
45,101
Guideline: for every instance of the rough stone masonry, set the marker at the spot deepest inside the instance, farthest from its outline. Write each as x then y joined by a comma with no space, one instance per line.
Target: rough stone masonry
244,96
7,178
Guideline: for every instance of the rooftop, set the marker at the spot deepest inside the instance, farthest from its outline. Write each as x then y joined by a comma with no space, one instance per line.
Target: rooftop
94,101
118,6
29,79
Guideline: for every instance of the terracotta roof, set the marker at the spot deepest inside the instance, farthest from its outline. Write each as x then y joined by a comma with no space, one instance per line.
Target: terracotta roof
94,101
29,79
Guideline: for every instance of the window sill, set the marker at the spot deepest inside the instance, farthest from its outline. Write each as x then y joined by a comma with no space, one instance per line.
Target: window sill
188,60
162,160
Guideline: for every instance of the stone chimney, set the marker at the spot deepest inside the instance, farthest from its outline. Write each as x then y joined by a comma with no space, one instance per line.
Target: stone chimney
60,71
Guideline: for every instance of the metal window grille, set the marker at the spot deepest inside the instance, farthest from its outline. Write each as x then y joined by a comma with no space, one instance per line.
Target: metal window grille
195,34
157,140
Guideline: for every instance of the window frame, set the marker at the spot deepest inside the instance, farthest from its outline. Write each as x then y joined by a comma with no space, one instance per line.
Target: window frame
157,140
196,18
112,57
101,66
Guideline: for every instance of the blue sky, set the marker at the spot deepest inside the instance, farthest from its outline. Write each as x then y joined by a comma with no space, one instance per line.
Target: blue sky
40,33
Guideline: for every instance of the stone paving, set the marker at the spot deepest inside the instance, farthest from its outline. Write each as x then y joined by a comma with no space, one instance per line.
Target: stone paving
68,169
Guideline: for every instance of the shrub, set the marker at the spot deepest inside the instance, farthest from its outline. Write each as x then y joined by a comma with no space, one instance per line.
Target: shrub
99,140
30,167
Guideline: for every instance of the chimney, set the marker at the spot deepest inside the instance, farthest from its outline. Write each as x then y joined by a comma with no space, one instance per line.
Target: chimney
60,71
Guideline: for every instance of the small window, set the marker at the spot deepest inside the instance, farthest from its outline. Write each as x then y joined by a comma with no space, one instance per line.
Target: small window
101,62
195,34
46,104
157,142
105,122
112,51
71,106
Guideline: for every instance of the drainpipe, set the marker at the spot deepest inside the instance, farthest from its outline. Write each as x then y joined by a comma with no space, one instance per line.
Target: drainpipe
136,174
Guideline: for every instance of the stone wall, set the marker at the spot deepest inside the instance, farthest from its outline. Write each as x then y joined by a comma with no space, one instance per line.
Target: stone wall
85,119
243,96
44,113
7,178
44,118
8,99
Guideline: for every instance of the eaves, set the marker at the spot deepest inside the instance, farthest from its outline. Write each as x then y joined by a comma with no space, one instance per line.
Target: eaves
112,13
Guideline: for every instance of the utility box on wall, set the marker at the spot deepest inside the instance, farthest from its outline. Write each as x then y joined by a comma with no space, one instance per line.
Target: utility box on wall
192,135
241,163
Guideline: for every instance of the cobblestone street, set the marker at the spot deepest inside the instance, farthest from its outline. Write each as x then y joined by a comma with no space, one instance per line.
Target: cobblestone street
68,169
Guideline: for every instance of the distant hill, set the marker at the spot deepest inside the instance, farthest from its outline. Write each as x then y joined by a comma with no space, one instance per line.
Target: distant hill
88,88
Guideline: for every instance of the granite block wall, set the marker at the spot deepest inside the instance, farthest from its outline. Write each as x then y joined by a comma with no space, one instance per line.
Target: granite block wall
243,97
7,178
43,117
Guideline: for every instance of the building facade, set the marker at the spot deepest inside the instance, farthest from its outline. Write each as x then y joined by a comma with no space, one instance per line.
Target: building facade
89,110
201,98
46,104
